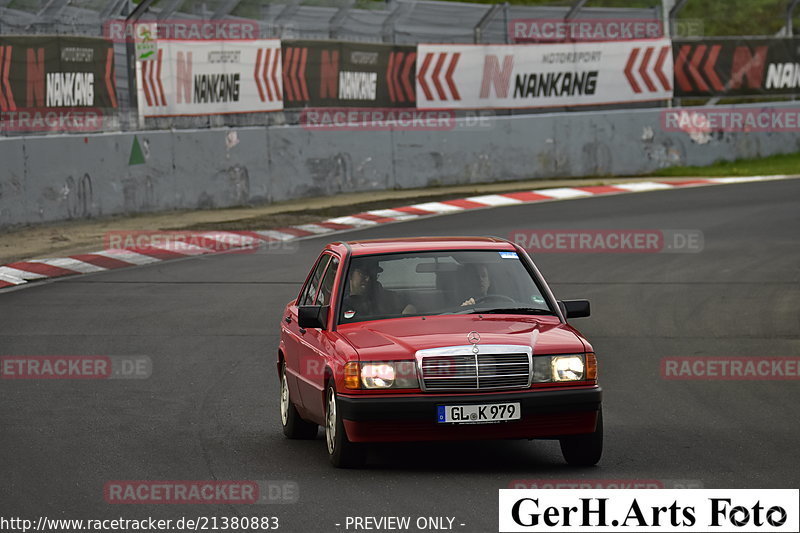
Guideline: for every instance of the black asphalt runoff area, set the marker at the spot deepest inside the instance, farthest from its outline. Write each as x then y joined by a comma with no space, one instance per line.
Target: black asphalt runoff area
209,411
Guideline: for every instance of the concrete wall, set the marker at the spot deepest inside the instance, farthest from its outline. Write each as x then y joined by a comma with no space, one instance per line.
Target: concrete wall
67,177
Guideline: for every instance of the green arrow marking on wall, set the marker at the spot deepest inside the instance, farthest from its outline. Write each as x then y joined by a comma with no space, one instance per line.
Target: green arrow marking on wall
137,157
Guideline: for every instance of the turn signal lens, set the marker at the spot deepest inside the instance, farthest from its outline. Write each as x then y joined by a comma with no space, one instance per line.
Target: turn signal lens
352,379
591,367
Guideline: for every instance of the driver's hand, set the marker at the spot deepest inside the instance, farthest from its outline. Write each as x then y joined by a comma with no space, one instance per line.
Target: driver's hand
471,301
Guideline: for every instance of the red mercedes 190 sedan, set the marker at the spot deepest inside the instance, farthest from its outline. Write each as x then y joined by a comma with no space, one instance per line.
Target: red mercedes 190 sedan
435,339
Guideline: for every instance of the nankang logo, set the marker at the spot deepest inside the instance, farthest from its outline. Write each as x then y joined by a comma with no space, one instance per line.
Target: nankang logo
497,75
783,76
358,85
67,89
209,88
535,85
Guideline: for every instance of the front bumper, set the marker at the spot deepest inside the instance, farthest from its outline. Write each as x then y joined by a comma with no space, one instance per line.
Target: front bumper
546,413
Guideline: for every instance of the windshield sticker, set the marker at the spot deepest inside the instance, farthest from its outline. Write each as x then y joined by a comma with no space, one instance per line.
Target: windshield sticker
509,255
349,314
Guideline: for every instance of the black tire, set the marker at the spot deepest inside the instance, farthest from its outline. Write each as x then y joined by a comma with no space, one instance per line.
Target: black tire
294,427
584,450
341,452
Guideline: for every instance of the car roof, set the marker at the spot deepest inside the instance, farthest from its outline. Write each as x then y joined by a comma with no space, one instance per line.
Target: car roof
425,244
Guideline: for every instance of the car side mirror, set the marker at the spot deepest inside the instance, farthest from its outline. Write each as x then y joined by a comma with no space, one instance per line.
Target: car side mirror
312,316
574,308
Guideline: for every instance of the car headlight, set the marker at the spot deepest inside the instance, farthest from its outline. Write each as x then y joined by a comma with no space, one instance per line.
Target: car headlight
559,368
377,376
389,375
568,368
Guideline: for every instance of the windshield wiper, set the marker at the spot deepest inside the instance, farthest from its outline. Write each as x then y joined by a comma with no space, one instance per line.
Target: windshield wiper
507,310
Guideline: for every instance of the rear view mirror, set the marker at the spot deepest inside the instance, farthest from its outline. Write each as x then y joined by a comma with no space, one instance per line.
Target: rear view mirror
574,308
312,316
427,268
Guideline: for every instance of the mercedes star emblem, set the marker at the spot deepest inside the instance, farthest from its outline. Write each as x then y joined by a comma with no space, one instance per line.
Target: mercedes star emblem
473,337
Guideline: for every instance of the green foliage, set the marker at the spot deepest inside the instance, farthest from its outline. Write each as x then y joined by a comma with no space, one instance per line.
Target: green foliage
766,166
738,17
719,17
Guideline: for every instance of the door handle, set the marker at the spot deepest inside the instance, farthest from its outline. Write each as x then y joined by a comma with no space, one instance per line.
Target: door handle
302,331
288,319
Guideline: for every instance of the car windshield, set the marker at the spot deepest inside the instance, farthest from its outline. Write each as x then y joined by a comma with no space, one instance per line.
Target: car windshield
443,282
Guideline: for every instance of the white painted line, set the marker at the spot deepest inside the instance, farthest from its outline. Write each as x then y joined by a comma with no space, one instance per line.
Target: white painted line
745,179
494,200
70,264
11,279
228,240
20,274
127,256
277,235
391,213
229,237
314,228
179,247
641,186
562,193
437,207
352,221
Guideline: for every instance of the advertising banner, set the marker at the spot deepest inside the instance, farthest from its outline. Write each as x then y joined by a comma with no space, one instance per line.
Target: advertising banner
56,83
211,78
737,67
337,74
543,75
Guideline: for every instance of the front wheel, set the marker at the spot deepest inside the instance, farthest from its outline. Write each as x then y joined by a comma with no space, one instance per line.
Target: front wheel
584,450
294,427
341,452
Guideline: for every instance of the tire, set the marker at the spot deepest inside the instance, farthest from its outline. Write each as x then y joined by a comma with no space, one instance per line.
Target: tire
341,452
584,450
294,427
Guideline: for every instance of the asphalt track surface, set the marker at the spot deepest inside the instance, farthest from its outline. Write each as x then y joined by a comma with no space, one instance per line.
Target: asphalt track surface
210,409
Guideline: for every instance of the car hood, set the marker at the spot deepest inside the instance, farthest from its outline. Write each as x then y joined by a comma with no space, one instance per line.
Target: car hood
401,338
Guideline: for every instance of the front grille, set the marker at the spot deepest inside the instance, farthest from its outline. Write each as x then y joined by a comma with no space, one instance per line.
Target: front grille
493,367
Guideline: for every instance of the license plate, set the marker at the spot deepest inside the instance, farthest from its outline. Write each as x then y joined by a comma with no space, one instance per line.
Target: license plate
478,414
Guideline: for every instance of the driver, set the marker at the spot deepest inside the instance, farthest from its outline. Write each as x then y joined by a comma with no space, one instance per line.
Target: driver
484,284
359,300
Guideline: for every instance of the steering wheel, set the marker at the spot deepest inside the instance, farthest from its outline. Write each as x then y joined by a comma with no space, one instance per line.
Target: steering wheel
498,298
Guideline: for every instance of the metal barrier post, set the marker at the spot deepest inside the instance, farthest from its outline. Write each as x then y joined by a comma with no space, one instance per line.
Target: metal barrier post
485,19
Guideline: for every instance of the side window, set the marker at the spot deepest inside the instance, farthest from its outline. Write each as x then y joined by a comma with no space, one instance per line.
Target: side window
324,294
310,290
